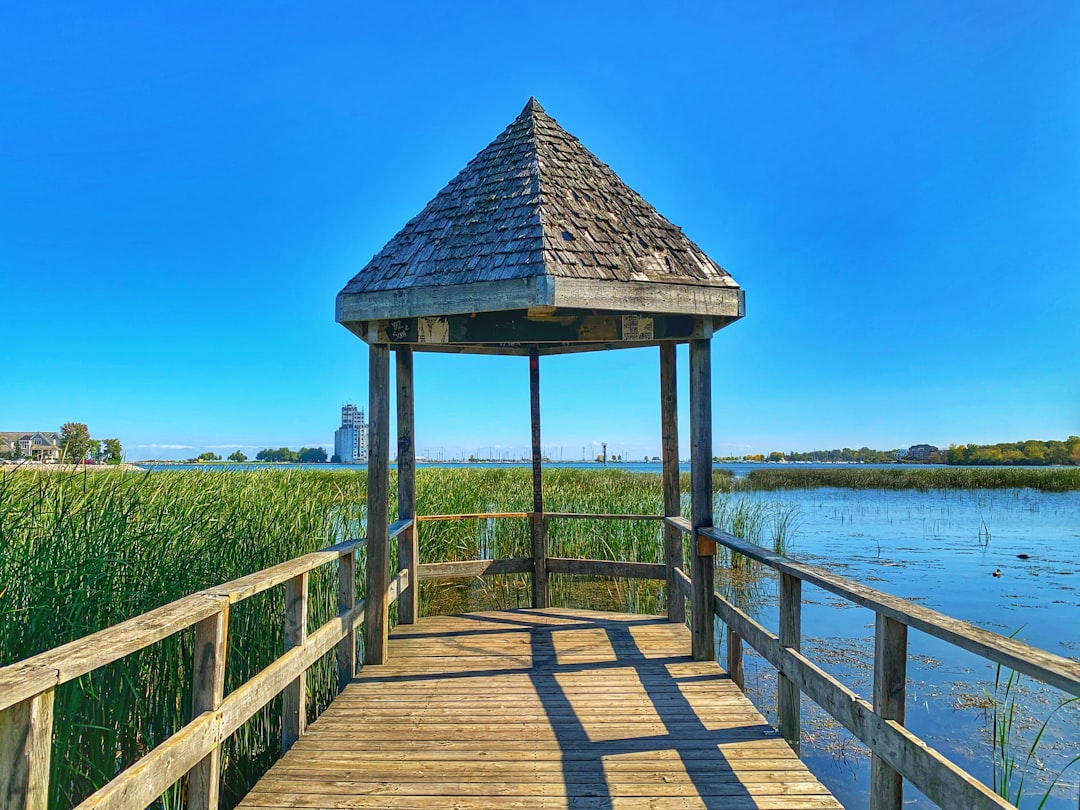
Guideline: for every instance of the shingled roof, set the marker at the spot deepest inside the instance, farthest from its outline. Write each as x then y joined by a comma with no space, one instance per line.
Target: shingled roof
537,220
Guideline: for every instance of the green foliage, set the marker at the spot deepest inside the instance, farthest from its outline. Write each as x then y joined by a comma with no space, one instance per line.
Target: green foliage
864,455
112,451
238,457
208,456
913,477
311,455
75,441
1031,452
281,454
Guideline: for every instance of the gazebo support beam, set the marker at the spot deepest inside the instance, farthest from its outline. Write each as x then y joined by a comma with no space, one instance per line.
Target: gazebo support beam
669,424
538,523
408,603
377,575
702,571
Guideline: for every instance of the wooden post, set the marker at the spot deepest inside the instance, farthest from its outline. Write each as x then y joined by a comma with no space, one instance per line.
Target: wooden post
207,692
537,522
702,571
734,659
378,558
294,696
669,428
25,752
787,700
346,648
890,693
408,603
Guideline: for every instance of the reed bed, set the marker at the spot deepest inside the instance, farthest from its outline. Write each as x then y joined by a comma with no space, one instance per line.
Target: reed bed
80,552
1045,479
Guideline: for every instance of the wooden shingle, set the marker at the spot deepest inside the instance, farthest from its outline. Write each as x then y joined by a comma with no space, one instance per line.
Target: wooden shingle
535,220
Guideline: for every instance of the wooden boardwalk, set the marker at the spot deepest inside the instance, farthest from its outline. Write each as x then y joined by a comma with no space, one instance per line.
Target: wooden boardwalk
551,708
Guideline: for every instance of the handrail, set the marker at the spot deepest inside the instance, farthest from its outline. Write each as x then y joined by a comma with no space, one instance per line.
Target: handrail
27,687
69,661
558,515
1055,670
896,752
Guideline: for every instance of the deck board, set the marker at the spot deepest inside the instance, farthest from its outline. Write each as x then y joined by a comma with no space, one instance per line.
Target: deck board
551,708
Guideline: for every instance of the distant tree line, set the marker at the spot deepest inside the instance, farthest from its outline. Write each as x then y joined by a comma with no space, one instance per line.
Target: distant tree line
305,455
864,455
1032,452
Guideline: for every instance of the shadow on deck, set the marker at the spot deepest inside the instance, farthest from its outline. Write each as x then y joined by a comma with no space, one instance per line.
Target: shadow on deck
549,708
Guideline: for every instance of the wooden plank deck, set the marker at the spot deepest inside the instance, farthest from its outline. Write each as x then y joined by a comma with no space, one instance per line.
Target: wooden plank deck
550,708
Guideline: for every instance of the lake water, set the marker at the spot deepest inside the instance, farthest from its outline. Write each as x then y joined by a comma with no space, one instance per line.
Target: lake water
941,549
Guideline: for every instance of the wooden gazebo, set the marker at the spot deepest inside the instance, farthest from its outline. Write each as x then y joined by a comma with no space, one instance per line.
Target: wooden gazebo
537,248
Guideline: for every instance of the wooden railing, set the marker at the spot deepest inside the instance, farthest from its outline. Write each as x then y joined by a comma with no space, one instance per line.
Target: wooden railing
896,753
27,688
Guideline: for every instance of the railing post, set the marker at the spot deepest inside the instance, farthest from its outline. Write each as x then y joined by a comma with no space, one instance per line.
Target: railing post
890,693
703,569
346,648
294,696
408,603
25,753
377,573
207,692
669,429
788,697
734,659
537,522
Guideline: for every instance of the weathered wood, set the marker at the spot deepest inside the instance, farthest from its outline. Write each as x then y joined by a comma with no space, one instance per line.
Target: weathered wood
537,522
377,569
598,516
346,648
680,523
669,430
475,568
788,708
207,692
735,658
890,693
397,586
25,753
683,580
635,296
702,571
1055,670
472,516
524,327
541,715
399,527
944,782
294,696
149,777
606,568
72,660
408,603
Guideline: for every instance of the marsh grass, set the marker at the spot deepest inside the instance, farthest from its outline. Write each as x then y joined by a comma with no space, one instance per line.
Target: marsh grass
1045,479
80,552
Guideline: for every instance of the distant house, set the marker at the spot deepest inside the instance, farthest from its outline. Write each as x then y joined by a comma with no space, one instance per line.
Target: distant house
921,452
43,445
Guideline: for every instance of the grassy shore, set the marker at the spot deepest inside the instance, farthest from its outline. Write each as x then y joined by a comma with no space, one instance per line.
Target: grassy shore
1045,479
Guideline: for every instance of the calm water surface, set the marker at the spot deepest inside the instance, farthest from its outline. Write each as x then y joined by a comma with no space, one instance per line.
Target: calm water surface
941,549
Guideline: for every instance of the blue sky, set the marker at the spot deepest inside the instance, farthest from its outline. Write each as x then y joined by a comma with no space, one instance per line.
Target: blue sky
185,187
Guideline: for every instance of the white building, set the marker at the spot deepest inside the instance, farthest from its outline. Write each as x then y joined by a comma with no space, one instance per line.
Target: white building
350,440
